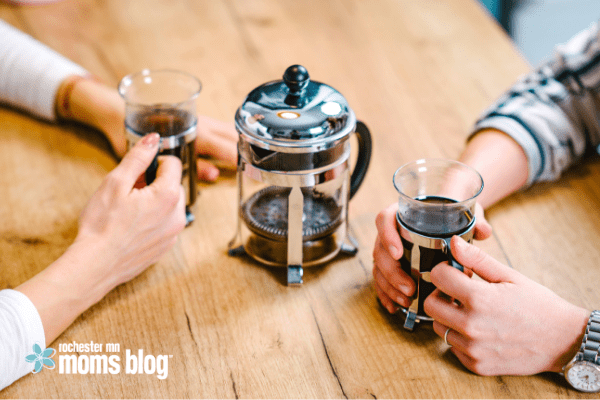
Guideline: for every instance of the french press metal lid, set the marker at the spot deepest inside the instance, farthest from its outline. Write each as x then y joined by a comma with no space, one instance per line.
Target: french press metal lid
293,172
295,114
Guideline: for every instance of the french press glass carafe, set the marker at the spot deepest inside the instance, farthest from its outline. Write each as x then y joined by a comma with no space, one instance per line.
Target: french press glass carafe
293,173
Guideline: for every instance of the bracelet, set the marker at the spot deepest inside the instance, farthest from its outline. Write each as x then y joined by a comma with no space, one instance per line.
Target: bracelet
63,103
590,346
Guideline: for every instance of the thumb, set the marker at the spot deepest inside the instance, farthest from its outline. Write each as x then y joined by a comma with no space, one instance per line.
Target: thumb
480,262
137,160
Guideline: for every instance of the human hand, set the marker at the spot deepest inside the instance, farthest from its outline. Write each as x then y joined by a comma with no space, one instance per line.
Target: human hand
134,227
217,140
216,145
122,230
93,103
393,286
505,324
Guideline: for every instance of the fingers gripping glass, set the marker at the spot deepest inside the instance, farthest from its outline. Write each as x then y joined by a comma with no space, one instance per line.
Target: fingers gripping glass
436,201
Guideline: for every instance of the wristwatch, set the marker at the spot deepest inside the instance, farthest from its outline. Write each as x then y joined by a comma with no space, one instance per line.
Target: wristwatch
583,372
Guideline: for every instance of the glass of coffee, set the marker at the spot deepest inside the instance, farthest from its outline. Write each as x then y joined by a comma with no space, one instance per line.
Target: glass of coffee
164,101
436,201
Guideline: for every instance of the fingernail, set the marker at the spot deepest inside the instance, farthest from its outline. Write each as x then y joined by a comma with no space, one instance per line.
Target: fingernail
394,253
400,300
459,243
151,140
213,174
404,290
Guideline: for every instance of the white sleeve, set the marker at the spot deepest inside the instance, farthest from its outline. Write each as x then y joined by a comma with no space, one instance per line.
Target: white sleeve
20,328
31,73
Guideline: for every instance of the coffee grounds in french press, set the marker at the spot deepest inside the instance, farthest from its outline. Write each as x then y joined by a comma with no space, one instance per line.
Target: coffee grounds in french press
265,213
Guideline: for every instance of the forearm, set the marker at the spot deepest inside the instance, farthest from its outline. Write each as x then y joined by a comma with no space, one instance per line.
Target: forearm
65,289
568,334
86,100
501,162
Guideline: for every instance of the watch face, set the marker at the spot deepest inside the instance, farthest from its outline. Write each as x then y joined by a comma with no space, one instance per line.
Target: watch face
584,376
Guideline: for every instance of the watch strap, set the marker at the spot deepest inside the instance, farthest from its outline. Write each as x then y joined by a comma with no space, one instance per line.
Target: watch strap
591,340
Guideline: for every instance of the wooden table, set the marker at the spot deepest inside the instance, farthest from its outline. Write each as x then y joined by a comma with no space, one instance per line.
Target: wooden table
418,72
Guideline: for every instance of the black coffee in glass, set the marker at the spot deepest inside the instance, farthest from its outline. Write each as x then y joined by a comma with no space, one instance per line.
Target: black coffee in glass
175,124
440,222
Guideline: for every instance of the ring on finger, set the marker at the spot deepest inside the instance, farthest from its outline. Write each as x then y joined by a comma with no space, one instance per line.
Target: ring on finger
446,337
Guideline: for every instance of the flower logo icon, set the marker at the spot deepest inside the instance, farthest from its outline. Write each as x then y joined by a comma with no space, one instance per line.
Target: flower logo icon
41,358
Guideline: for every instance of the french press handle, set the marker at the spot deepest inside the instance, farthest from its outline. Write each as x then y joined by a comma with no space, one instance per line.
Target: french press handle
365,146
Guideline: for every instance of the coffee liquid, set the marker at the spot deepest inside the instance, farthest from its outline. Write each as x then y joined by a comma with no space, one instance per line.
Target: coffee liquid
440,222
443,223
169,122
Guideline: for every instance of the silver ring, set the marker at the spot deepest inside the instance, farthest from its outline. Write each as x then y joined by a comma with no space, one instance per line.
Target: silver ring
446,337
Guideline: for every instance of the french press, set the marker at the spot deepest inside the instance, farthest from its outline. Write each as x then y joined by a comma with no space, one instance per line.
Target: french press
293,173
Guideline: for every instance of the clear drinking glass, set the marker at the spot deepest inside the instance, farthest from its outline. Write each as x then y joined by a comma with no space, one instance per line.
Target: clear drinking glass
436,196
164,101
436,201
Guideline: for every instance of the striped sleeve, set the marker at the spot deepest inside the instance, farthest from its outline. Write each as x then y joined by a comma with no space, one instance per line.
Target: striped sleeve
554,112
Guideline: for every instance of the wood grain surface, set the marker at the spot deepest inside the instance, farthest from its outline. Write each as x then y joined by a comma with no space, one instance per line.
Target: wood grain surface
417,72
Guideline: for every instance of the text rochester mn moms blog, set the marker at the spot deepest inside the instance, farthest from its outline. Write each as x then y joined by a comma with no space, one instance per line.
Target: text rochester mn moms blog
109,364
